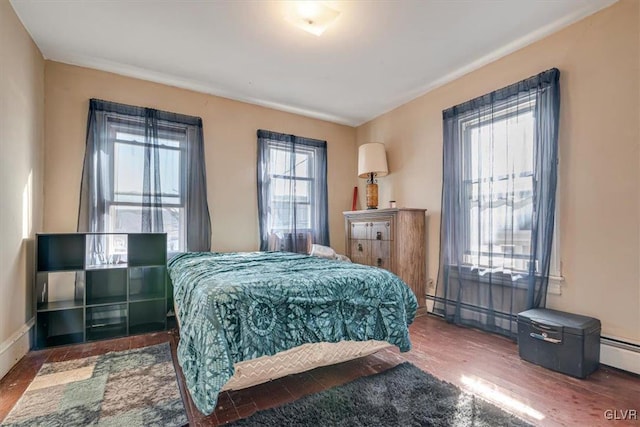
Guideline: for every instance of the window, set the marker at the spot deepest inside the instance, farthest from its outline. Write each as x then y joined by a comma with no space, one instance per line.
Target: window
126,203
144,171
499,181
292,192
291,181
498,167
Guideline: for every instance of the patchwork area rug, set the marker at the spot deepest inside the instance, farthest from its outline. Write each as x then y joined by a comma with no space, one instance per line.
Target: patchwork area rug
128,388
402,396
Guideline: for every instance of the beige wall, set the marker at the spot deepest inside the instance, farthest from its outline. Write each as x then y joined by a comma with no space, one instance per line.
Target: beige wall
230,150
21,138
599,192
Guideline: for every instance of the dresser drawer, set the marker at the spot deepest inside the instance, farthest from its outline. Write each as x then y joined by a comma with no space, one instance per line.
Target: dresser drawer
360,251
380,230
380,249
380,262
359,230
380,254
371,230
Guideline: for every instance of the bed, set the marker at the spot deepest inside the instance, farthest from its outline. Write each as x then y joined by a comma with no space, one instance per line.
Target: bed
237,310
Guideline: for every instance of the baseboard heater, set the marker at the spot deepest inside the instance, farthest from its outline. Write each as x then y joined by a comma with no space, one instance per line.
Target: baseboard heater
620,354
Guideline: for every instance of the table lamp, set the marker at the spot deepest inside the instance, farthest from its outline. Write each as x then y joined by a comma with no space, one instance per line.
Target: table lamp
372,163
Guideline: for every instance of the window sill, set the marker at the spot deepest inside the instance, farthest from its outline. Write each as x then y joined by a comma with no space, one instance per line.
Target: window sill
554,286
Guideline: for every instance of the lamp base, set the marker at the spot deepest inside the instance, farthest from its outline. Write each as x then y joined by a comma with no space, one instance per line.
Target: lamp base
372,196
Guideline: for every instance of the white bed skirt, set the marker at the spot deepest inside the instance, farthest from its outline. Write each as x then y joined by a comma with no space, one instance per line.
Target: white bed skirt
298,359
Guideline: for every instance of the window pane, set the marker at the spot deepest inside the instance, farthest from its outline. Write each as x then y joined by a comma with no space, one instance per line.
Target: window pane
502,147
173,225
290,189
128,174
303,191
286,216
169,165
128,219
281,189
128,166
280,163
303,164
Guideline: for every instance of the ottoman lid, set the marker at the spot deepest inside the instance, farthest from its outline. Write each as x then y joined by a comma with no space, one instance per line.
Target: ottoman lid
575,324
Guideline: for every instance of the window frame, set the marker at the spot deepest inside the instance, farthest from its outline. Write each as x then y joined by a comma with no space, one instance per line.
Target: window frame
465,125
273,145
116,123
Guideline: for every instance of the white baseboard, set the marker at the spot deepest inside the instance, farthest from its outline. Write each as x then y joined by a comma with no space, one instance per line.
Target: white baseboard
14,348
620,355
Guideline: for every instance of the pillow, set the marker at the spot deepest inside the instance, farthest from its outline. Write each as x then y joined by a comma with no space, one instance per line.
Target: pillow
327,252
322,251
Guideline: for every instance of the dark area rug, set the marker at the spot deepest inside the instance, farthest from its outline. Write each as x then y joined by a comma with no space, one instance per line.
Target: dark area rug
402,396
127,388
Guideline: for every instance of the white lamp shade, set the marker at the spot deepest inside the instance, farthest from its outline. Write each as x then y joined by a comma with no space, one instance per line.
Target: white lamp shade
372,159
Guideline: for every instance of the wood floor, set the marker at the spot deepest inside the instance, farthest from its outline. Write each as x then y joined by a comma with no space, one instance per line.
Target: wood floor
476,361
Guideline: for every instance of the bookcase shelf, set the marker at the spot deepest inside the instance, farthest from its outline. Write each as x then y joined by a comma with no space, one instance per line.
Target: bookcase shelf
106,267
106,285
59,305
58,252
106,321
92,286
58,327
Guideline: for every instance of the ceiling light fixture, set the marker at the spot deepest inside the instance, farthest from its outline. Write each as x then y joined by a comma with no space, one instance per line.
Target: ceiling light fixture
311,16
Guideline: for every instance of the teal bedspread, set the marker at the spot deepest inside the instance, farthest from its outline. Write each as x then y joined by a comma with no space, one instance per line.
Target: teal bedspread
239,306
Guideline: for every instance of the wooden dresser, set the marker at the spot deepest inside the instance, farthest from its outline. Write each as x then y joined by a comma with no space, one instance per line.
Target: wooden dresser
393,239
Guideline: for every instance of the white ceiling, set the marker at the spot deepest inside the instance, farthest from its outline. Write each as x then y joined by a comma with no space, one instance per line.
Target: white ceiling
375,57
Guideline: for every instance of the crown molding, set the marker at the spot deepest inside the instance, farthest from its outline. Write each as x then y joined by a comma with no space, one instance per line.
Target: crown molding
69,58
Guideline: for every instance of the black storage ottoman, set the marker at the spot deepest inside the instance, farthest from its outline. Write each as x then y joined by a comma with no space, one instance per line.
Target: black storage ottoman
565,342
